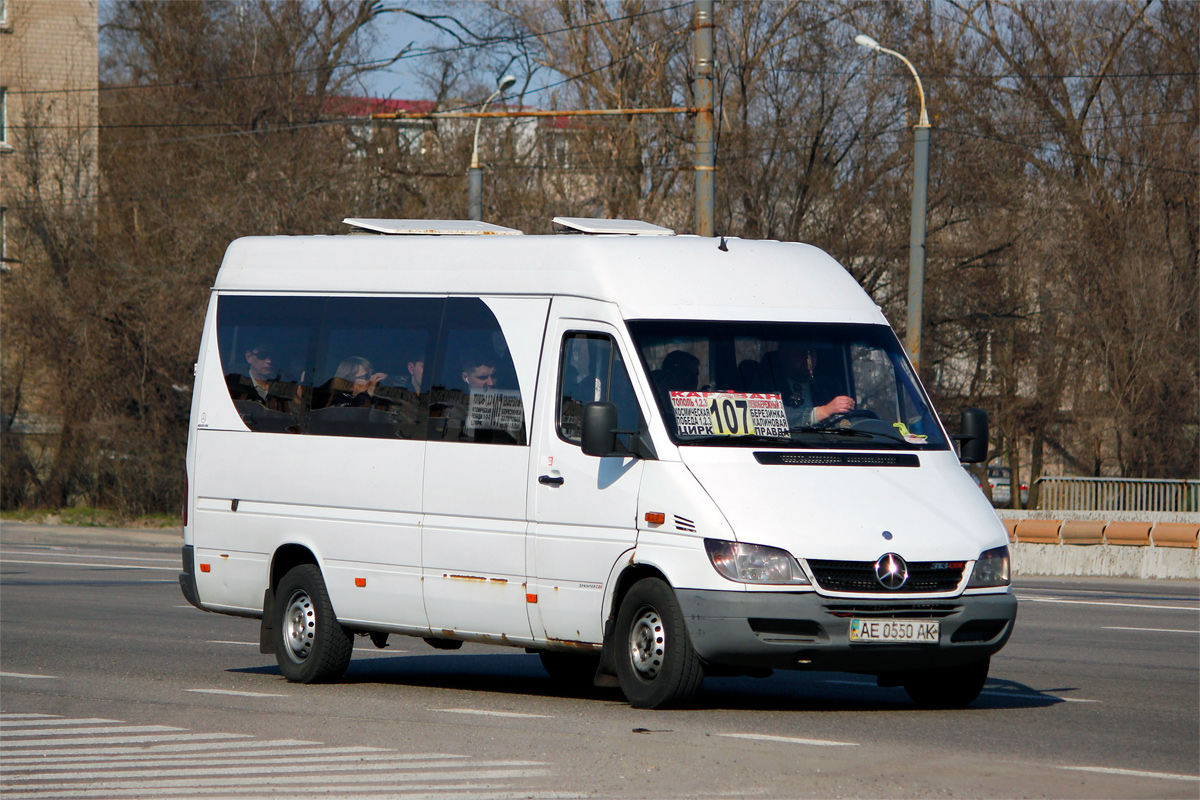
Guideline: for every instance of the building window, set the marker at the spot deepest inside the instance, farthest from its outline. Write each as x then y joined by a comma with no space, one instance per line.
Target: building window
3,114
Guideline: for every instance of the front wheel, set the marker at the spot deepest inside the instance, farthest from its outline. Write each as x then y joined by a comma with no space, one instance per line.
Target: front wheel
657,667
952,687
310,645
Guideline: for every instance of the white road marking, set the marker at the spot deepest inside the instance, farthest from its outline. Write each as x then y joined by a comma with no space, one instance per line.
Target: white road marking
98,729
1031,599
23,675
272,768
82,554
222,641
8,722
1149,630
184,750
64,790
1133,773
788,739
165,737
482,713
82,564
297,756
232,693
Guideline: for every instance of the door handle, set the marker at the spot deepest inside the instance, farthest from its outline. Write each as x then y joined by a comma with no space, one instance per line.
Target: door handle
546,480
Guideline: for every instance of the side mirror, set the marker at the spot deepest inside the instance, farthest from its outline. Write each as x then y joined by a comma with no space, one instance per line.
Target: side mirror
600,429
973,440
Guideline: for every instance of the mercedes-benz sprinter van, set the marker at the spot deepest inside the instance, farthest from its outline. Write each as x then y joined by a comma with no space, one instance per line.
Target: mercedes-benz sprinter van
646,457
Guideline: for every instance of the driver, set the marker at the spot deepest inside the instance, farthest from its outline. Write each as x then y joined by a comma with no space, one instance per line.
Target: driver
802,390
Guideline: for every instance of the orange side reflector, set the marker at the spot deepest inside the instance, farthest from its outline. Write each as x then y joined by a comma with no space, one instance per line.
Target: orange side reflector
656,517
531,598
205,567
360,582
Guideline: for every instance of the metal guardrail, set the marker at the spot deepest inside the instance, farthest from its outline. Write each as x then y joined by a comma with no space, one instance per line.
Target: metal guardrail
1118,494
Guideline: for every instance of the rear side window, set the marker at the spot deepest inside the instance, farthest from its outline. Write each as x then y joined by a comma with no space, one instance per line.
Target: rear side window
474,394
267,347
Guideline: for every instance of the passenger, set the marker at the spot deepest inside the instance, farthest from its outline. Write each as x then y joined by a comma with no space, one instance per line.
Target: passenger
354,384
261,384
479,373
802,390
416,373
680,372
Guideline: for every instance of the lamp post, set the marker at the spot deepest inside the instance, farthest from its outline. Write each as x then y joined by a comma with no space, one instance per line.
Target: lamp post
475,174
916,239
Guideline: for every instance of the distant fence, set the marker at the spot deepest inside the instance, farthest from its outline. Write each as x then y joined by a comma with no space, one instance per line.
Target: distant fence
1118,494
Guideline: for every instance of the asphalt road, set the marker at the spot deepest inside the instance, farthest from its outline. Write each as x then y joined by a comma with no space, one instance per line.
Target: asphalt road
112,686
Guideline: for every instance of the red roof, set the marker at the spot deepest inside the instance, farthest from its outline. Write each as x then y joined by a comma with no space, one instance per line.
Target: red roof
366,106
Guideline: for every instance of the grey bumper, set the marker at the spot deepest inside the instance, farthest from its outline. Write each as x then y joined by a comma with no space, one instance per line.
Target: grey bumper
803,630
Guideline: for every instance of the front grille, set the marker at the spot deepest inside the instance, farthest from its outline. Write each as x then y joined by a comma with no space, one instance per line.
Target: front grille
859,576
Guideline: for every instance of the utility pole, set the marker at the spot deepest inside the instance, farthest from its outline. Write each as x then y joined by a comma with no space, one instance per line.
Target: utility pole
705,152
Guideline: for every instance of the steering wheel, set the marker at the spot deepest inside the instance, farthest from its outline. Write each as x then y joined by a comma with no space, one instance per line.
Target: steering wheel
849,417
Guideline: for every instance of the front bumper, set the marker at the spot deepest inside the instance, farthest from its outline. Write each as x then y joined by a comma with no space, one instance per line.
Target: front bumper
803,630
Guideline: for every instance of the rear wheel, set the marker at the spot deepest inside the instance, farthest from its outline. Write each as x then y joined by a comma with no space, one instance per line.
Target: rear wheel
657,667
953,687
310,645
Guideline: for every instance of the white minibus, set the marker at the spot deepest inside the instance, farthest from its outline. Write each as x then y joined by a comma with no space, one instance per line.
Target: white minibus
646,457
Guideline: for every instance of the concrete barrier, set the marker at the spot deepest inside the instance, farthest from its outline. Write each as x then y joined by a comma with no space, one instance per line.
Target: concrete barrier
1104,544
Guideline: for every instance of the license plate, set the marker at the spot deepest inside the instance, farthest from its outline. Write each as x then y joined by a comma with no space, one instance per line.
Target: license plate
886,631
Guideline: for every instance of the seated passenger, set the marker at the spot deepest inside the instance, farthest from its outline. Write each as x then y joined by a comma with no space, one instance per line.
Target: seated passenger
354,384
261,383
807,399
479,373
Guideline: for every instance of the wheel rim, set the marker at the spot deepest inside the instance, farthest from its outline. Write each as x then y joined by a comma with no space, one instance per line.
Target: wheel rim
647,644
300,626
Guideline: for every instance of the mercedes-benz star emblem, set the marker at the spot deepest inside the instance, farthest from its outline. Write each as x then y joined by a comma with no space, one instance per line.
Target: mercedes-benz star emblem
891,571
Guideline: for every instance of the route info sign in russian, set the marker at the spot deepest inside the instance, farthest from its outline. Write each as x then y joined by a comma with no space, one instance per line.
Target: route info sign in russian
729,414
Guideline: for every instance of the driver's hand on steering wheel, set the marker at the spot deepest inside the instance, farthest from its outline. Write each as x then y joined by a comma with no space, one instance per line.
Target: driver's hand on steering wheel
838,405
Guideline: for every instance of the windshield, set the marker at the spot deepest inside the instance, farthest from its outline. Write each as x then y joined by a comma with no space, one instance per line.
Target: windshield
791,384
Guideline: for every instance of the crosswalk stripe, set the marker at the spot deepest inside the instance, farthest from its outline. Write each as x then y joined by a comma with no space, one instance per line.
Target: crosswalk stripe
272,768
459,791
293,754
105,729
8,722
180,747
163,737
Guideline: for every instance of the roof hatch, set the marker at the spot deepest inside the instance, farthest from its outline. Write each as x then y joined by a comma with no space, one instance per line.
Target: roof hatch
611,226
431,227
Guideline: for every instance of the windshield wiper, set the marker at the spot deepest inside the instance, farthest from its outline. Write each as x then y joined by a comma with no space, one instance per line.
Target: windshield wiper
834,431
741,439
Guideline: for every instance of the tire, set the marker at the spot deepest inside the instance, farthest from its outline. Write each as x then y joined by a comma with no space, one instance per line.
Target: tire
657,667
954,687
310,645
570,669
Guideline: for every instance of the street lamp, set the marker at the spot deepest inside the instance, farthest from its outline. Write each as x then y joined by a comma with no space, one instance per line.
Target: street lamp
475,174
916,239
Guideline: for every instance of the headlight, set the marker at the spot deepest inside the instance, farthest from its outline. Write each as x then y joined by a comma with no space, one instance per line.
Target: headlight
754,563
991,569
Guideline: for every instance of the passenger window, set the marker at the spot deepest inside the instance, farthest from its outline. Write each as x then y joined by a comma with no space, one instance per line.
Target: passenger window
474,394
369,367
591,370
266,346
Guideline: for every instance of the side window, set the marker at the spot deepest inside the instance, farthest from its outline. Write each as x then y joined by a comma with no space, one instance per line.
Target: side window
266,348
474,395
368,376
590,370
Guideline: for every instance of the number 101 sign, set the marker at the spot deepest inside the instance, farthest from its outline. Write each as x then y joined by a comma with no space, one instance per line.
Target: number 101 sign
729,414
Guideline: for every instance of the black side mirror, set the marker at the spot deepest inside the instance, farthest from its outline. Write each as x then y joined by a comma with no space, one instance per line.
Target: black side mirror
973,440
600,429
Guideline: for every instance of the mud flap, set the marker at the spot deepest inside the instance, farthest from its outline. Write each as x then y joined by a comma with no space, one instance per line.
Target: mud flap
606,673
266,631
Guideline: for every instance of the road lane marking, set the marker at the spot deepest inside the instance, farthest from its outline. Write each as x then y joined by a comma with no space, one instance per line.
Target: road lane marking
183,750
223,641
81,554
788,739
104,729
81,564
233,693
6,722
271,768
417,791
298,756
165,737
23,675
1133,773
1030,599
482,713
1149,630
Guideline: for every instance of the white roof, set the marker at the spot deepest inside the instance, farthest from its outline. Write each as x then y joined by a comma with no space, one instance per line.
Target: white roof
431,227
648,277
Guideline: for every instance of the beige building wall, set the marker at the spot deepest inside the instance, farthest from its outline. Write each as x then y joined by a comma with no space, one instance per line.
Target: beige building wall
49,74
